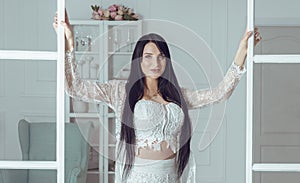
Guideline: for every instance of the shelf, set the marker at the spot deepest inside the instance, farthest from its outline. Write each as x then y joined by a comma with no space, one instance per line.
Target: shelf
84,115
86,53
116,78
93,171
90,115
85,22
111,115
103,51
111,145
121,22
120,53
111,172
98,172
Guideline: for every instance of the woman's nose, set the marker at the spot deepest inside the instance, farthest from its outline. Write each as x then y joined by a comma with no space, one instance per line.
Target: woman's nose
156,61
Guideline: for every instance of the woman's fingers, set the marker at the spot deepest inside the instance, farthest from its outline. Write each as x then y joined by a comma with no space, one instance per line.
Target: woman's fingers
63,23
66,17
257,40
257,36
67,30
248,35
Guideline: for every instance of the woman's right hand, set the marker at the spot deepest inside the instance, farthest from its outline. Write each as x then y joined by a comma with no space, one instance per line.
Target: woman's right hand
68,31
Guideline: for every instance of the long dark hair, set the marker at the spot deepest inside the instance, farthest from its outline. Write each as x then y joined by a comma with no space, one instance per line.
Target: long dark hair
169,90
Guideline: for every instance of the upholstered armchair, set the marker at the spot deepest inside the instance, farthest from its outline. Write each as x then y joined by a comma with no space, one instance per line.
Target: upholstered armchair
38,143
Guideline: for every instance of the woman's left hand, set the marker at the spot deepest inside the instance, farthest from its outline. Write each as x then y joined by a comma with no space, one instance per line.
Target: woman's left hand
244,41
243,47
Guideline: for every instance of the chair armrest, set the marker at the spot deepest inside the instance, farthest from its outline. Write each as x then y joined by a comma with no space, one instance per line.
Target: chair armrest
74,173
8,176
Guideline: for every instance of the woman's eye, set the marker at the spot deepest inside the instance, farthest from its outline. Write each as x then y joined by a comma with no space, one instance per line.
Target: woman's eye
148,56
161,57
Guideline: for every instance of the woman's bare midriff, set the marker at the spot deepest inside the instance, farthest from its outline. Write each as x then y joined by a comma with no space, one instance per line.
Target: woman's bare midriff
164,153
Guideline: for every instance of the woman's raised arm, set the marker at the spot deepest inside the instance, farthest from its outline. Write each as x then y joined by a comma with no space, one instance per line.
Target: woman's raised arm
86,90
201,98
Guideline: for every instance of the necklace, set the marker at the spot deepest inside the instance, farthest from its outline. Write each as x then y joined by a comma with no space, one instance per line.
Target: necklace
154,95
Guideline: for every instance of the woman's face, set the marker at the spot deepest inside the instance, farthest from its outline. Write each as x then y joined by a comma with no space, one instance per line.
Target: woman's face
153,62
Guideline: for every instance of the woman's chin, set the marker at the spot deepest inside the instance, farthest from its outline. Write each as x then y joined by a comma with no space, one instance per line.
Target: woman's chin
154,76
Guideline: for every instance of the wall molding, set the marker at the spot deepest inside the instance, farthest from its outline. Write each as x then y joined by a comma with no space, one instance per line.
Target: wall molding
43,76
268,21
267,151
38,116
2,31
203,156
2,135
2,79
217,159
35,86
212,159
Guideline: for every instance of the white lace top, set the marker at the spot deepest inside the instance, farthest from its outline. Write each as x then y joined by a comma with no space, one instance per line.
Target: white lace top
154,122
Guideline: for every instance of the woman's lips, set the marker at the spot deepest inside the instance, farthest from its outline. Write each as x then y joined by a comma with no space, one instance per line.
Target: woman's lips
155,70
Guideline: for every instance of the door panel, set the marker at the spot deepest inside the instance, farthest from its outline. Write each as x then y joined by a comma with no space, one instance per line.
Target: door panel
276,131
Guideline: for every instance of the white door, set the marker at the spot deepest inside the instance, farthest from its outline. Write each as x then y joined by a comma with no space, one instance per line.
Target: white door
276,121
27,88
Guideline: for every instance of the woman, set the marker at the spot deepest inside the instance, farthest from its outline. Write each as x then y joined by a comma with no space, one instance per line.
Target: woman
153,127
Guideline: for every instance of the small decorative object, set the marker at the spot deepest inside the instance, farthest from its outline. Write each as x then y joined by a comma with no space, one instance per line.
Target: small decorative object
114,12
130,39
83,43
117,38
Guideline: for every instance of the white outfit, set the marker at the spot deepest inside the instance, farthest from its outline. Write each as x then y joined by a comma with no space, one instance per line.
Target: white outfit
153,122
153,171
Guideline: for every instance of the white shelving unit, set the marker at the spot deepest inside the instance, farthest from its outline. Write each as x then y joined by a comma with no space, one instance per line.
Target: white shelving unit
103,52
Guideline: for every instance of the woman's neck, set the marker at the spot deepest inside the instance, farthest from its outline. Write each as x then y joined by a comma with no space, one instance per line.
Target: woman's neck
151,85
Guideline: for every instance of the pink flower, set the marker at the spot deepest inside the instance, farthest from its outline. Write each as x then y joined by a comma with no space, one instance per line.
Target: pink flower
112,8
97,17
100,12
120,12
113,14
118,17
130,11
135,16
106,13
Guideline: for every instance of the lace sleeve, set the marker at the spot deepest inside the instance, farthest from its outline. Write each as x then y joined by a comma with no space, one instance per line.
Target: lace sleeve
88,90
201,98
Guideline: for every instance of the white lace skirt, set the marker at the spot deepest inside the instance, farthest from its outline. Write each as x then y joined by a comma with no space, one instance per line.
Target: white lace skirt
153,171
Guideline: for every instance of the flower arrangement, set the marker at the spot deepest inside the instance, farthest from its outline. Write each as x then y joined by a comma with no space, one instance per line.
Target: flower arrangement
114,12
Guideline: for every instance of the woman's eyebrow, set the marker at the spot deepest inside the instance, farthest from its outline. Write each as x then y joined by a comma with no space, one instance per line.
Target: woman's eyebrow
148,53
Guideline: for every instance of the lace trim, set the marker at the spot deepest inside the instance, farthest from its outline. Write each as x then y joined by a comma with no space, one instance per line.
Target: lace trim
141,177
155,144
237,70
